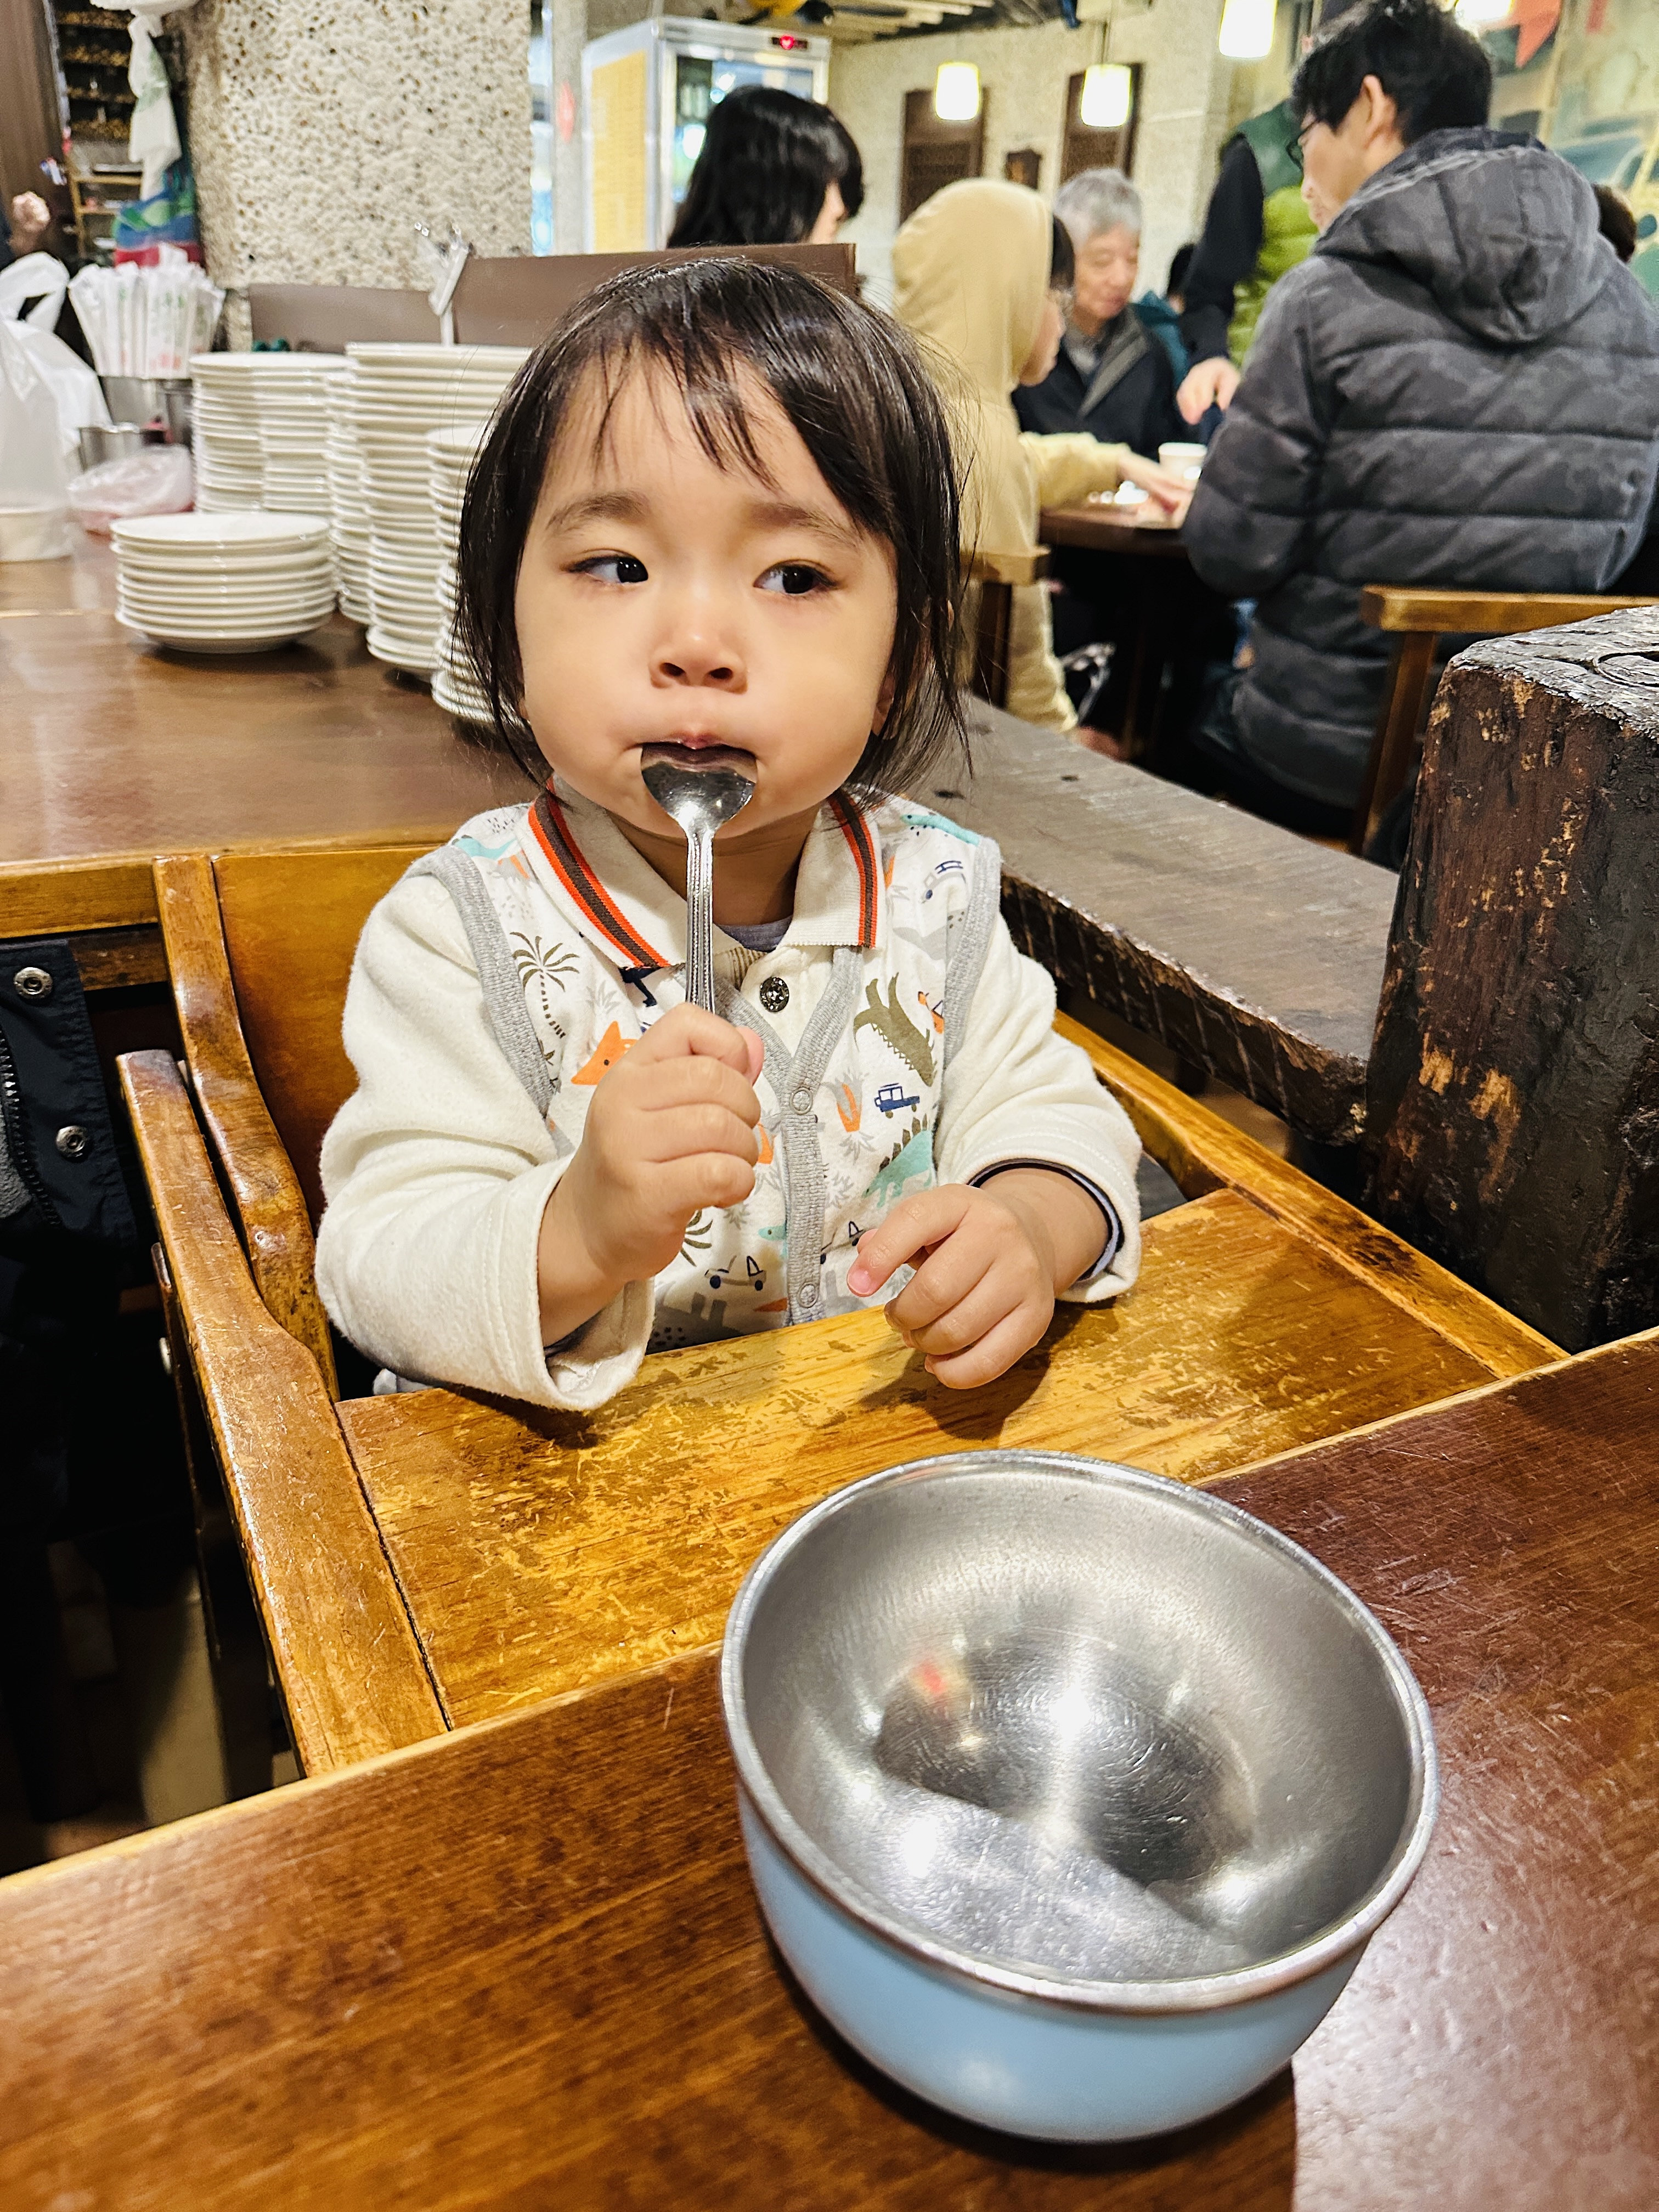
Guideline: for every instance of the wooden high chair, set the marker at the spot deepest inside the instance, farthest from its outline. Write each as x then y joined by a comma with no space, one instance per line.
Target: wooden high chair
1270,1314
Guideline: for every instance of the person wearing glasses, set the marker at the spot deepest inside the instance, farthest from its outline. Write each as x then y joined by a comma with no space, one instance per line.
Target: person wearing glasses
1459,386
1257,229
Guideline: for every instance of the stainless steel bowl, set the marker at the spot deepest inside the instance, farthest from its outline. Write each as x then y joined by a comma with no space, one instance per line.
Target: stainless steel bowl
1072,1794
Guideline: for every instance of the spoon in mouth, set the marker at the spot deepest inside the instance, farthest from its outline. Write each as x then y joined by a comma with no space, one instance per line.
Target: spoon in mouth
701,799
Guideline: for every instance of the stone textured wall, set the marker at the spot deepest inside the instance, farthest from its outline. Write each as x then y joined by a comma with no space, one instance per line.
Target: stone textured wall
1184,88
322,130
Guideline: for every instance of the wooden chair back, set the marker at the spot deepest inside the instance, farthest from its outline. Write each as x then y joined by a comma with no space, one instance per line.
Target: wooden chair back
259,944
992,579
1420,616
517,299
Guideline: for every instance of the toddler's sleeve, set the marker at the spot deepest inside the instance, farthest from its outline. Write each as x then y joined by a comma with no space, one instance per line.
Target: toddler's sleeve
1017,1095
437,1172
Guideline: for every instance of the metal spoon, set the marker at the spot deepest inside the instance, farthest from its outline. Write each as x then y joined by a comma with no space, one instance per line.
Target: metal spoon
700,800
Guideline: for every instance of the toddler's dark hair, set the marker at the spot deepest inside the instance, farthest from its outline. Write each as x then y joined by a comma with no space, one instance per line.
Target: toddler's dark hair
851,383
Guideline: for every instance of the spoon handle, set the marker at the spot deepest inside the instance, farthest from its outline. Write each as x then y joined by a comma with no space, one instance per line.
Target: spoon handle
700,919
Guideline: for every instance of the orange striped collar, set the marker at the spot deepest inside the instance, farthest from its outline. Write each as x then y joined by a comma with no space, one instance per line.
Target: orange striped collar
637,920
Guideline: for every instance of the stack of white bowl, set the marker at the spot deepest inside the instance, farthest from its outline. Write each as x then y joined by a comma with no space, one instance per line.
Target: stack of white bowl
223,583
225,435
401,393
294,395
455,682
348,502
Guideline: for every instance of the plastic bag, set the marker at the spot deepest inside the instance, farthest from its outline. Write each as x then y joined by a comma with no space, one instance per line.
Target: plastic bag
40,277
158,481
33,477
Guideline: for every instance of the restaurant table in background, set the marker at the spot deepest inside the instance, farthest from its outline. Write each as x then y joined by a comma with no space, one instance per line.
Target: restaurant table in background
523,1965
1127,577
111,751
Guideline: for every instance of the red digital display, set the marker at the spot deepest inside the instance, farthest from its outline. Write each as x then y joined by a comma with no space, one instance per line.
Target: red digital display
787,43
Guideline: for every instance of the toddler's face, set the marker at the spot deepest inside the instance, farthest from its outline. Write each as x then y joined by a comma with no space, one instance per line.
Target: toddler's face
663,601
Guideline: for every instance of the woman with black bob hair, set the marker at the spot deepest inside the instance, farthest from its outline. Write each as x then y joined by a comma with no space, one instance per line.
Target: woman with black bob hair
775,170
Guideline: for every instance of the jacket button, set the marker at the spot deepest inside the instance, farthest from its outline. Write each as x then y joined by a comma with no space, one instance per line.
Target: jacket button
774,994
809,1296
33,983
802,1102
73,1142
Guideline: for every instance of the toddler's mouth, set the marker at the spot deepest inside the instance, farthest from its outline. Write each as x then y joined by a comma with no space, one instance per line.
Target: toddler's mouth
699,753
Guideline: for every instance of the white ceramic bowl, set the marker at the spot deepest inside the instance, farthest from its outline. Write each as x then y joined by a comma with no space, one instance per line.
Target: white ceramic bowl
1072,1796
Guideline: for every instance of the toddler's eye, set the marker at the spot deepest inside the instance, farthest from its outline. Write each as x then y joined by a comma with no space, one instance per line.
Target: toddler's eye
614,569
795,577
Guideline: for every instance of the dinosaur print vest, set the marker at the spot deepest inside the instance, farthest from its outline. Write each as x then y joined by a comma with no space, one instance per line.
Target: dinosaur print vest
856,1010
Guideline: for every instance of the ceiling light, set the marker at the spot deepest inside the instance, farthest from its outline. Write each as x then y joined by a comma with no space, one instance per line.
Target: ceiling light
1482,15
1108,92
1247,29
956,92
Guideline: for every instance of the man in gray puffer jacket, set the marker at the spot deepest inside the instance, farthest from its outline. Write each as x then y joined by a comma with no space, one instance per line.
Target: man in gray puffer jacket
1459,386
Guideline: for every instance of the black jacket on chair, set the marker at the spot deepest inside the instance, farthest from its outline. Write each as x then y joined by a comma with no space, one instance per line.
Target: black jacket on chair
1460,386
1128,400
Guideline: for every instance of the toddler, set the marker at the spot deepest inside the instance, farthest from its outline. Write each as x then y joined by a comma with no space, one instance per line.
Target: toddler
714,521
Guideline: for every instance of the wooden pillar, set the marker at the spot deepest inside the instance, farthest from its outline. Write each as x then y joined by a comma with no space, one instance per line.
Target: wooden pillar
1513,1095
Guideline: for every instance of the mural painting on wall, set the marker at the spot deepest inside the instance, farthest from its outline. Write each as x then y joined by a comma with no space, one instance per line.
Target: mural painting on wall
1584,76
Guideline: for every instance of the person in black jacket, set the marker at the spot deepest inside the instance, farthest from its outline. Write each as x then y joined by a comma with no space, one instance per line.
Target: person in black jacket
1459,386
1113,377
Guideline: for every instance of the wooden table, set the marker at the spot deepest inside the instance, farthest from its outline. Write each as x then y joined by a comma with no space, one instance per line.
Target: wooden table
539,1552
523,1966
111,751
1131,564
1101,527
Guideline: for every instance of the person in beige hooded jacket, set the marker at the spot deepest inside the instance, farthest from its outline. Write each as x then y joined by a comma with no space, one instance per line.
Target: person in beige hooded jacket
971,284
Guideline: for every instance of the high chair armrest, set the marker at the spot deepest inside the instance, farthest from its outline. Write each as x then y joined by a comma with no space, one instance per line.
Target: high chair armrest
1204,1153
320,1579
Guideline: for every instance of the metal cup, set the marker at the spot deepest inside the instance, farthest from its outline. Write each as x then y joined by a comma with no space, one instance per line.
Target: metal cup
118,443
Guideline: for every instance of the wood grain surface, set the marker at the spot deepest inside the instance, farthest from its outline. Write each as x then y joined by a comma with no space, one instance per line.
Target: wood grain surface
271,1207
1249,952
523,1966
291,924
108,747
346,1661
1203,1153
1104,528
1414,607
1515,1083
538,1552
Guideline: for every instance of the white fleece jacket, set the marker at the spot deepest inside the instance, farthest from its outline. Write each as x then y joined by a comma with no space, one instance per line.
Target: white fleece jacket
907,1043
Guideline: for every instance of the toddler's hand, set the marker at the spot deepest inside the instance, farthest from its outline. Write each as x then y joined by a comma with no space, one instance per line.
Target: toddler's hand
994,1258
671,1129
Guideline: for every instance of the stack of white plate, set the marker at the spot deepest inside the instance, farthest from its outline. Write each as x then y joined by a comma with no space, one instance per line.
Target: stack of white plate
348,502
455,682
402,392
226,433
294,395
223,583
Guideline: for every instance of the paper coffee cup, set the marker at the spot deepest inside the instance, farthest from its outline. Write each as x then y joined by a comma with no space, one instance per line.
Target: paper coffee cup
1181,460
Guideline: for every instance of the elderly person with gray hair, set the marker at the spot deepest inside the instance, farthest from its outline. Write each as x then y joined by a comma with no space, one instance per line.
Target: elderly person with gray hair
1112,378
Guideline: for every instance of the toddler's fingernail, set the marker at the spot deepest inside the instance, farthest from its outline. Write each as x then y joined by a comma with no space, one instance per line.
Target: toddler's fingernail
859,1277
